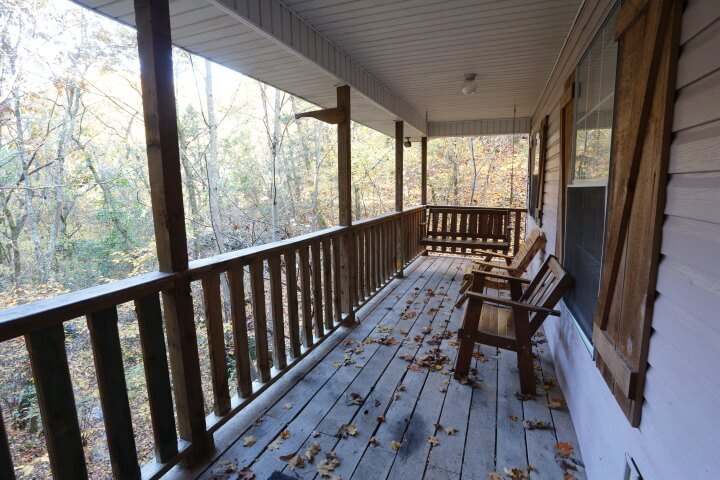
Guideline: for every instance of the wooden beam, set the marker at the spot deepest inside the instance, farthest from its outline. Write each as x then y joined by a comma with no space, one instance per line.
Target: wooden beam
333,116
152,18
346,278
344,158
399,136
399,233
423,171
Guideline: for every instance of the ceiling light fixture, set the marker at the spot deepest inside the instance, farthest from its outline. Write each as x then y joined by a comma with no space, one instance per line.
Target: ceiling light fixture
469,86
407,142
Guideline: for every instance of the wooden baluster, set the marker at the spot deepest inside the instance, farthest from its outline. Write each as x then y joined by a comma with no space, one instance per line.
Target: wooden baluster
327,284
368,262
353,274
377,256
105,341
157,376
6,463
257,285
216,344
278,317
360,256
305,289
337,273
317,289
238,313
57,403
292,302
516,231
390,251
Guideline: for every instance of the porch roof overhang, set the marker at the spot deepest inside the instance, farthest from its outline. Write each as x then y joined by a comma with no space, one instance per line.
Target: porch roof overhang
404,60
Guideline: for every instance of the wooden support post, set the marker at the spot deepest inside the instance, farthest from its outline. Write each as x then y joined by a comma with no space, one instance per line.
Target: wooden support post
347,273
152,18
399,135
423,171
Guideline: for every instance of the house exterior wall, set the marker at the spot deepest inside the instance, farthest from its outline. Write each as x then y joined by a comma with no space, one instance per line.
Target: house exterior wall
679,433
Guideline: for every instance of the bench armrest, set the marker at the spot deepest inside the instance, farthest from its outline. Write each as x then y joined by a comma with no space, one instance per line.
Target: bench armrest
501,276
510,303
493,254
490,265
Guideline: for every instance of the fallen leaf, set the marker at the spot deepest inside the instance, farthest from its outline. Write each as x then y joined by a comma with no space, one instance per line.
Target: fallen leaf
275,444
355,399
374,442
259,421
434,441
556,403
249,441
380,418
515,473
312,450
495,476
513,418
287,406
315,433
246,474
451,430
401,387
395,445
327,467
564,449
294,461
285,434
347,429
536,425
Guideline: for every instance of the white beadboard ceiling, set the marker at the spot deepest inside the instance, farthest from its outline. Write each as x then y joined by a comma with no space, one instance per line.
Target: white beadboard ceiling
402,58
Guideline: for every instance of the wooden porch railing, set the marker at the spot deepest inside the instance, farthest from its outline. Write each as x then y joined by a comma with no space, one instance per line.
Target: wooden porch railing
304,292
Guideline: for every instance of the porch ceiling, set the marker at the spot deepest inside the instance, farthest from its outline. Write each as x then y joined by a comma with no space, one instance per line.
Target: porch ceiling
403,58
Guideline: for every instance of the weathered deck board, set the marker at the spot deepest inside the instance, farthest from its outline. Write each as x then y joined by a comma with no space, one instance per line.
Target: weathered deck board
487,439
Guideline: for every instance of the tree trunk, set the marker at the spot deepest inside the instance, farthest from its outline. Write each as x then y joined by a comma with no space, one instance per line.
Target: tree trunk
211,161
474,163
32,217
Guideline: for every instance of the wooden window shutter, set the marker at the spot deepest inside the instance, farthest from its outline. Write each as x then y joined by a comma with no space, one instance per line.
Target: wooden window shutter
647,32
535,202
567,115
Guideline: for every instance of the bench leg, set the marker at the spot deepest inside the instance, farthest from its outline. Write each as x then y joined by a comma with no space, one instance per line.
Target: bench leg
467,334
525,367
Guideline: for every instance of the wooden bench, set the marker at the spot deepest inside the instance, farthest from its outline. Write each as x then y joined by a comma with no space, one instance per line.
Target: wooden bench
465,230
514,266
510,324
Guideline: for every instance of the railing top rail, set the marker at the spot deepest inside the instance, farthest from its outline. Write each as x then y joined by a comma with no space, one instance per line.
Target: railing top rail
467,207
30,317
34,316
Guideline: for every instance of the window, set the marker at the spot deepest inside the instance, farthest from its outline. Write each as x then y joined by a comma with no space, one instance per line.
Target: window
587,189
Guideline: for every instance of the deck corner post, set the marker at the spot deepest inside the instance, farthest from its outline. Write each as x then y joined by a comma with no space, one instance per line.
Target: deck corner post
347,273
423,170
399,136
152,18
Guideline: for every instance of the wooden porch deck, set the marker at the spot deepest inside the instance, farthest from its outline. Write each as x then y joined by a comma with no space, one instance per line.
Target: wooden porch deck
362,379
